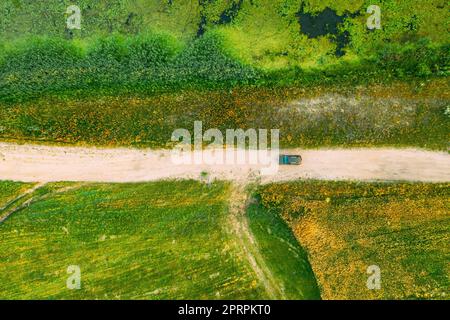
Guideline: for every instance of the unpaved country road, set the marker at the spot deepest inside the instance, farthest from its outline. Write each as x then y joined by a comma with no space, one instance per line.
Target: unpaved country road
36,163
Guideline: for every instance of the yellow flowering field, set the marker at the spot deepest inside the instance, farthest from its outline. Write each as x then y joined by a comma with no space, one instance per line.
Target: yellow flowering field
346,227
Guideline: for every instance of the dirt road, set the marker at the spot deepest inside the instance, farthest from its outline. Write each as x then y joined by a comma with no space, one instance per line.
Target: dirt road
35,163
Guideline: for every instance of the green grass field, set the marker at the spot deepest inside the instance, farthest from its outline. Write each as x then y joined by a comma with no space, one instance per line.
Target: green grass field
165,240
10,190
173,240
137,46
283,255
346,227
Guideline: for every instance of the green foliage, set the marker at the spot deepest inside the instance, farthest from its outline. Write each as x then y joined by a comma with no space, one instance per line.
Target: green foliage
401,227
180,18
421,60
267,34
38,65
403,22
205,62
158,62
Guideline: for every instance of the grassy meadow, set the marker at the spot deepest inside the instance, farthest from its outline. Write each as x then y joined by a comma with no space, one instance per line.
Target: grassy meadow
345,227
139,69
164,240
402,114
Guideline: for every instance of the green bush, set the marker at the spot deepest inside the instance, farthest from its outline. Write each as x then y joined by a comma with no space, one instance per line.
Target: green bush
158,62
422,59
139,63
205,62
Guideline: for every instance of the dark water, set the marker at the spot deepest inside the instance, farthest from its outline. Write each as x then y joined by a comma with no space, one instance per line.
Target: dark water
324,23
229,14
226,16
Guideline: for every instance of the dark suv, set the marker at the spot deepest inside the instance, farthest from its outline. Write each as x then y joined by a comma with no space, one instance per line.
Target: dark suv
290,159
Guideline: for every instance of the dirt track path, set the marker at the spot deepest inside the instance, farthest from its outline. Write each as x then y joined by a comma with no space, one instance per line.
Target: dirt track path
9,208
247,243
35,163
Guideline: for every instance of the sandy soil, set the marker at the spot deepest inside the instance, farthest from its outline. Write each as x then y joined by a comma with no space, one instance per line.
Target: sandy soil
36,163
